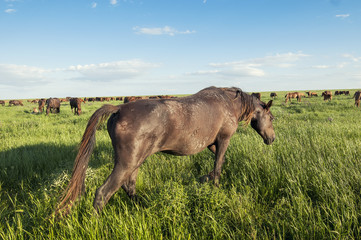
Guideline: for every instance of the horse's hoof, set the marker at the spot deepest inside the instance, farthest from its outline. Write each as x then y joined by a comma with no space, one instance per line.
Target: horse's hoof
204,179
135,199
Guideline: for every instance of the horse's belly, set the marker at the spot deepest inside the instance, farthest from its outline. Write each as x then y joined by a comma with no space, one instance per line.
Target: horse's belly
186,146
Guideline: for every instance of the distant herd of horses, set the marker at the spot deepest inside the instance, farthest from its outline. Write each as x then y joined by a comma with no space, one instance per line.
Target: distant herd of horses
53,104
327,95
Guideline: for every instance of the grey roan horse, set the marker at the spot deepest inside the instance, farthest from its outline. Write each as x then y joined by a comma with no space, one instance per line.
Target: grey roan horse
180,126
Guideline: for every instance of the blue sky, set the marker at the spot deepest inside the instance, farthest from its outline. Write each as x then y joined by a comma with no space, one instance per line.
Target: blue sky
149,47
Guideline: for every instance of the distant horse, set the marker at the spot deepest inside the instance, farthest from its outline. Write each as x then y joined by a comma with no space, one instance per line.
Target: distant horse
327,95
131,99
178,126
41,103
76,104
2,102
311,94
15,103
342,92
289,96
273,95
53,104
357,97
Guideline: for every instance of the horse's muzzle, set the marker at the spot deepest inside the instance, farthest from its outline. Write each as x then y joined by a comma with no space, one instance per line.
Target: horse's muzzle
269,141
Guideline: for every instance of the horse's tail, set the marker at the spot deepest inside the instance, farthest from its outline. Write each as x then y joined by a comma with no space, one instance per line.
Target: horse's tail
76,185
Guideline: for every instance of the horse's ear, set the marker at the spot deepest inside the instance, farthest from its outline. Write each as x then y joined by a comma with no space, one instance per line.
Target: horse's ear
238,93
269,104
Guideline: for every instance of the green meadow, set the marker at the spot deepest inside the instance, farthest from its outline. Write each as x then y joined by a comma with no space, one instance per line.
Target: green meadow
306,185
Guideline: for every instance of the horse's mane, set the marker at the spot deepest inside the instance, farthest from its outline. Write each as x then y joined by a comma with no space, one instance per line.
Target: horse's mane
247,103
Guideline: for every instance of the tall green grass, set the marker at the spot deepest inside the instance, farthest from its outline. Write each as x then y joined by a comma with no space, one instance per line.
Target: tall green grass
306,185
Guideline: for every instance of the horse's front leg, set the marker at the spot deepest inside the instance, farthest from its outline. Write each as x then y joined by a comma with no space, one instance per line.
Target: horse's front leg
219,149
209,176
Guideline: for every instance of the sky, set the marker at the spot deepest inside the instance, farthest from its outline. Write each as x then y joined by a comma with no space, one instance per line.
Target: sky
88,48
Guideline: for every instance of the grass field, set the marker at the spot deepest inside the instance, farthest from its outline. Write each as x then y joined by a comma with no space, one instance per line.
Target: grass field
306,185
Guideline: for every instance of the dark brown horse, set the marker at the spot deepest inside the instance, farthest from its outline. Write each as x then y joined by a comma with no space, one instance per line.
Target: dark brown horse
179,126
327,95
357,97
76,104
15,103
52,104
273,95
41,103
131,99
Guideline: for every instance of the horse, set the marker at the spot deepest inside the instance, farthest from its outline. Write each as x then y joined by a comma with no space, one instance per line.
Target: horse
52,104
131,99
297,95
273,95
177,126
311,94
327,95
15,103
76,104
41,103
357,97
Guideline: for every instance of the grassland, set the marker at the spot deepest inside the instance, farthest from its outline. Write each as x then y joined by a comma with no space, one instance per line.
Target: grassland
307,185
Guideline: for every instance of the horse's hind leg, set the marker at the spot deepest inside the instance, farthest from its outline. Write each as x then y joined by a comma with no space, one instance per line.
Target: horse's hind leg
115,180
129,185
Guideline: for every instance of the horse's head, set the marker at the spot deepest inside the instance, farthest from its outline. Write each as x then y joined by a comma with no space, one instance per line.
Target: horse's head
256,112
262,121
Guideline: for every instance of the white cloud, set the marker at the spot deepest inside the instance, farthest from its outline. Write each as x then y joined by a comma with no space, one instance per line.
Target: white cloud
120,70
239,68
94,4
353,58
342,65
11,74
10,10
113,2
342,16
256,67
160,31
21,75
202,72
283,60
321,66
